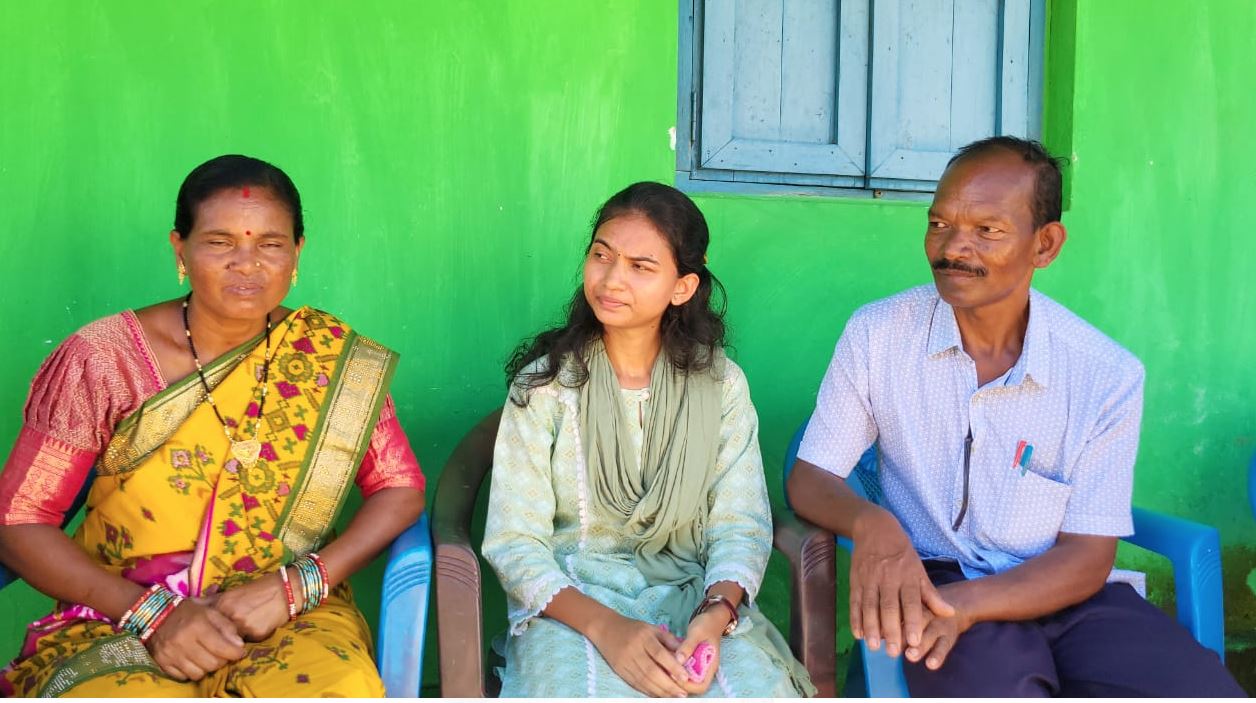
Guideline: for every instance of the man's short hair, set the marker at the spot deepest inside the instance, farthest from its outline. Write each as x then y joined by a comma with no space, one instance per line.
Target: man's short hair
1048,201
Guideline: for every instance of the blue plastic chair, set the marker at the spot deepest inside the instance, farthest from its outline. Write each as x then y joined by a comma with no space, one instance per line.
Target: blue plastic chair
403,603
1251,484
1193,549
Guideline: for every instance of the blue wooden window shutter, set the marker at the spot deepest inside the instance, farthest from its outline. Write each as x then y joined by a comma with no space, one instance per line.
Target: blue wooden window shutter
945,73
871,94
773,90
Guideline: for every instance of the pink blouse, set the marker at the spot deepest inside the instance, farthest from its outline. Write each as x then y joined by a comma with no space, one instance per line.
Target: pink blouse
94,379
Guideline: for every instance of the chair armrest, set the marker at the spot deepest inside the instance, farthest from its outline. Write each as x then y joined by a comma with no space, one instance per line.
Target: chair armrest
1195,551
459,619
813,598
883,674
403,610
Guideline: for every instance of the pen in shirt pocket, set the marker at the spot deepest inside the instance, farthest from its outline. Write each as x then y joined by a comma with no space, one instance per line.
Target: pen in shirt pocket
1024,450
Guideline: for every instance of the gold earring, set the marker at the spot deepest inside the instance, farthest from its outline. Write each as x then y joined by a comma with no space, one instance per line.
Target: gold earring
183,273
294,277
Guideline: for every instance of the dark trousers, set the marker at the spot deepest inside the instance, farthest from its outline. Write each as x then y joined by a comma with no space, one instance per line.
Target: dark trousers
1113,644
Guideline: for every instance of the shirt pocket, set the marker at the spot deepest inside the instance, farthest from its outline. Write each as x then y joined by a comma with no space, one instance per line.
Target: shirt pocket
1031,511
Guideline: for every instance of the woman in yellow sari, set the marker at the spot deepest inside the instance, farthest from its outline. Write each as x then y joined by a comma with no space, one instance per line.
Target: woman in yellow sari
225,432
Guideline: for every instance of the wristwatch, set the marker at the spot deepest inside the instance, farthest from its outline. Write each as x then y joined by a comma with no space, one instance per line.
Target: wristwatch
709,602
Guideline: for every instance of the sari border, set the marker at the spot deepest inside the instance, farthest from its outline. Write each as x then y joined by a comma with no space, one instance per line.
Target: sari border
106,655
355,398
144,431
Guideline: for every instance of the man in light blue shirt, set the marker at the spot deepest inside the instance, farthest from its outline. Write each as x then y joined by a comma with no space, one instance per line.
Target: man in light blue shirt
1007,430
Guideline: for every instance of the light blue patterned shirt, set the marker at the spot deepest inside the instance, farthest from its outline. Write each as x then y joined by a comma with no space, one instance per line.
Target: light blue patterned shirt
1050,445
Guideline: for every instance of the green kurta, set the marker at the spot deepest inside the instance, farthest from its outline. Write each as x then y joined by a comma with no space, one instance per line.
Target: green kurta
542,536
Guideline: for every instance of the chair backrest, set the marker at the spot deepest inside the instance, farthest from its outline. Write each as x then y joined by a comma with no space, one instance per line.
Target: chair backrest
867,483
463,474
6,575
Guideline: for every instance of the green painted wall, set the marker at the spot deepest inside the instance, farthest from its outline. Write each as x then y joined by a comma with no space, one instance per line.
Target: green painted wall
451,155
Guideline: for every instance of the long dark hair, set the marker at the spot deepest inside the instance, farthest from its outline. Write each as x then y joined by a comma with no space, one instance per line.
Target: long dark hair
692,333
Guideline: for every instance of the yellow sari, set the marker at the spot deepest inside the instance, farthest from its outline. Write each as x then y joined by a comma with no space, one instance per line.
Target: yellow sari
169,505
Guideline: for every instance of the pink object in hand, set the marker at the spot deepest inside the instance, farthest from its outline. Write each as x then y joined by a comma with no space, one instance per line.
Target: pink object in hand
700,661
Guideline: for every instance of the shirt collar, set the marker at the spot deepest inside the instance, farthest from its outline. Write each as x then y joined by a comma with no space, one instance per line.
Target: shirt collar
1035,361
943,330
1036,352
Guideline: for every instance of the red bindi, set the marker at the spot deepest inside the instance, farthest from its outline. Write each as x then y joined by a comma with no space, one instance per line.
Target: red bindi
248,233
245,191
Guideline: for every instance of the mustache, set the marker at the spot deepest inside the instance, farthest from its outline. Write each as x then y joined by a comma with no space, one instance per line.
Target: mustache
944,264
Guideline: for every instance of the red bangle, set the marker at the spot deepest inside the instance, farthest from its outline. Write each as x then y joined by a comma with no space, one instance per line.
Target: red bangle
287,591
322,571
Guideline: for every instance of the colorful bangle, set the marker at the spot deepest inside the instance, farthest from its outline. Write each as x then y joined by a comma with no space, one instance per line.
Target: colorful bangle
161,617
143,610
287,591
312,575
309,584
130,612
148,612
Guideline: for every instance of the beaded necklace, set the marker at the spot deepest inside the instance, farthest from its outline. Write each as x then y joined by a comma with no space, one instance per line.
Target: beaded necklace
245,451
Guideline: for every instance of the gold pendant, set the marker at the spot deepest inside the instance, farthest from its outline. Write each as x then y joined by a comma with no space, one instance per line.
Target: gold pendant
246,452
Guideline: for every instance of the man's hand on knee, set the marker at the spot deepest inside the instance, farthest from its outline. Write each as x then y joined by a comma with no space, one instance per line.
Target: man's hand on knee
939,637
941,632
891,596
